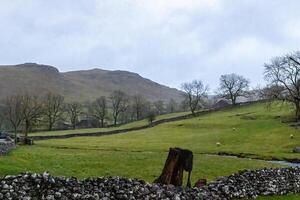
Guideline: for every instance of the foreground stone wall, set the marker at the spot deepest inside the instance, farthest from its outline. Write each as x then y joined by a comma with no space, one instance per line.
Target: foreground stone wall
246,184
6,146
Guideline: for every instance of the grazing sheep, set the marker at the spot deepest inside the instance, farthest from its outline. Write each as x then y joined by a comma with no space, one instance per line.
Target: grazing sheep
218,144
234,129
292,136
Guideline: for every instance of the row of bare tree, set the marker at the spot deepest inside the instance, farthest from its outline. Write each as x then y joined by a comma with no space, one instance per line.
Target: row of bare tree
25,111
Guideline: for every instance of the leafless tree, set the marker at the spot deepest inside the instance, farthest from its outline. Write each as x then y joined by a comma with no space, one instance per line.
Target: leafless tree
119,102
283,75
184,105
233,86
271,92
159,106
138,104
195,92
151,116
13,112
74,110
172,106
53,104
32,109
2,118
99,109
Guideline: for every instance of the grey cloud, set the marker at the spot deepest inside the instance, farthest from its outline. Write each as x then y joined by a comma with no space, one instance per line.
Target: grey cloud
166,42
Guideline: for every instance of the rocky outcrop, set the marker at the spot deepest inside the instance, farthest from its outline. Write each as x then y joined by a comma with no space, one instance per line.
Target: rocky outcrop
246,184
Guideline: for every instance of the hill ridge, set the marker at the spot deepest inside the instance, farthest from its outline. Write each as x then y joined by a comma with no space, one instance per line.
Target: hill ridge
80,85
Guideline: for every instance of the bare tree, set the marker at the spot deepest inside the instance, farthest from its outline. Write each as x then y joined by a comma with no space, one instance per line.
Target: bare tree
32,109
195,92
233,86
99,109
2,115
151,117
172,106
2,118
74,110
184,105
138,104
53,108
159,106
283,75
271,92
13,112
119,102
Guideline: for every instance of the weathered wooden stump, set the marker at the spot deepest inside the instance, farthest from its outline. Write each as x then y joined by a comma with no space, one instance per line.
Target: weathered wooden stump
178,160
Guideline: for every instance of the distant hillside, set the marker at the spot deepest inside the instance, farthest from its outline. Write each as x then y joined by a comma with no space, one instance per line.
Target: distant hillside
79,85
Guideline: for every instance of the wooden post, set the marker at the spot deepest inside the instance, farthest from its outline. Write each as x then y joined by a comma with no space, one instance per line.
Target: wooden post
177,161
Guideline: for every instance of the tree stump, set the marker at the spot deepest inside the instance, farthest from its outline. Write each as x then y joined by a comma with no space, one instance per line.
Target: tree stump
178,160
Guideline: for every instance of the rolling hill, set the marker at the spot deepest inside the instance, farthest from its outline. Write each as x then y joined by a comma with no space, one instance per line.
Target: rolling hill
82,85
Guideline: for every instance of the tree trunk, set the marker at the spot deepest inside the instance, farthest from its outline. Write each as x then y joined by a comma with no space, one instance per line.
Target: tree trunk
233,101
192,110
102,123
297,105
27,125
50,127
177,161
115,120
16,136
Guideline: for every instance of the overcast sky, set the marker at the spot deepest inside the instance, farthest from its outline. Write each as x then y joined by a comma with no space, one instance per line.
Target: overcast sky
168,41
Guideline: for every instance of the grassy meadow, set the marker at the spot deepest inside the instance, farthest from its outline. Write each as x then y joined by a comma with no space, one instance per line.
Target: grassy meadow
252,130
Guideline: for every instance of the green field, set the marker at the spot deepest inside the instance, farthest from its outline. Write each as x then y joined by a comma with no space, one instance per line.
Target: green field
250,130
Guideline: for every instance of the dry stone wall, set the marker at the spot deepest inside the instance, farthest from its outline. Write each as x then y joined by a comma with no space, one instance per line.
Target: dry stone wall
245,184
6,146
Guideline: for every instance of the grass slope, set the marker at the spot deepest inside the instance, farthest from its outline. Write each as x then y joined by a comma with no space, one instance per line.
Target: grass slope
259,133
142,153
95,130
